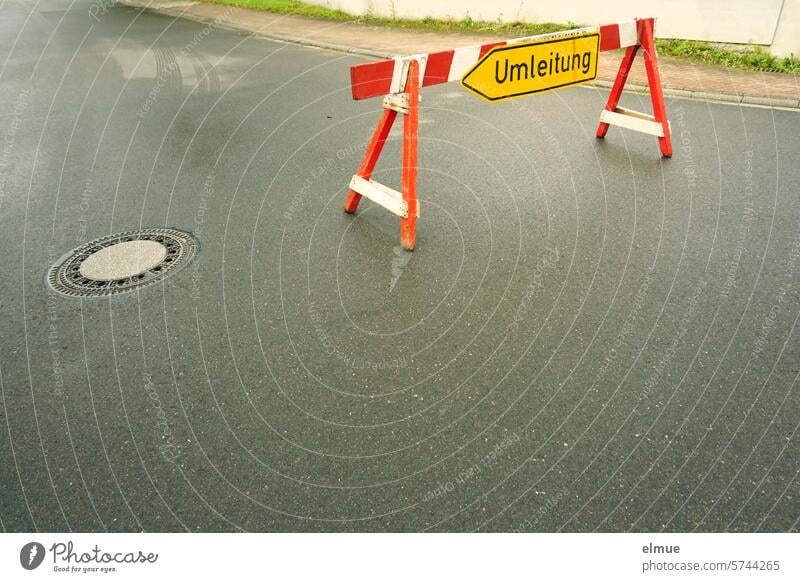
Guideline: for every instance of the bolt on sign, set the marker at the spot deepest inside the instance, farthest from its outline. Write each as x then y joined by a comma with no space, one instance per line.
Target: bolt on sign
516,70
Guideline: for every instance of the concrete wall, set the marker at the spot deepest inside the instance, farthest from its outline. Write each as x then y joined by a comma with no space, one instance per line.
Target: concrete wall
787,34
761,22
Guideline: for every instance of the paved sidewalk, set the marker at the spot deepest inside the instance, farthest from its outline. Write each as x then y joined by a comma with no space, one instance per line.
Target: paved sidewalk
679,77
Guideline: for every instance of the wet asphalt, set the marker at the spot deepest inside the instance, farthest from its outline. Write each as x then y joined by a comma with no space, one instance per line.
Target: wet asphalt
588,337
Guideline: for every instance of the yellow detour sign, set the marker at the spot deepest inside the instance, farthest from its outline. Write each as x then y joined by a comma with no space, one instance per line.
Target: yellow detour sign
516,70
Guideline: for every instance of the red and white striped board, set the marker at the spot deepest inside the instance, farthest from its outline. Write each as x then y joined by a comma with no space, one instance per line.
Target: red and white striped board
384,77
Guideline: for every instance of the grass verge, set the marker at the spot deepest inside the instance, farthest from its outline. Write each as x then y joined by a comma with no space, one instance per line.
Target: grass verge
747,59
464,25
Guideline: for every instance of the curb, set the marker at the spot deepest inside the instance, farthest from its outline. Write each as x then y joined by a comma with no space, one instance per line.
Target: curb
179,11
724,98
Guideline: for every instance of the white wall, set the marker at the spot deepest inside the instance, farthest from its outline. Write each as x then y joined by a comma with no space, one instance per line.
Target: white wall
787,35
732,21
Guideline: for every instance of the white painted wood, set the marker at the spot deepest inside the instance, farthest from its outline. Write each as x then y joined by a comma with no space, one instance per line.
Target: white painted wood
400,71
397,102
627,34
382,195
633,113
423,64
463,59
635,123
548,35
399,74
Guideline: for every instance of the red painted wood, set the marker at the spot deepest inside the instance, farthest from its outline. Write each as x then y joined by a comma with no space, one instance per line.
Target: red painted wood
647,38
371,79
408,226
437,69
644,29
619,85
371,156
375,79
609,37
487,47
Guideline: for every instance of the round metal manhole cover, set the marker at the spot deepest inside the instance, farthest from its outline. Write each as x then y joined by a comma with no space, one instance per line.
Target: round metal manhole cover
122,262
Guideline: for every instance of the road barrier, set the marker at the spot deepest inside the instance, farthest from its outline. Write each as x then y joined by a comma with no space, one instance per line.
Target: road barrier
498,71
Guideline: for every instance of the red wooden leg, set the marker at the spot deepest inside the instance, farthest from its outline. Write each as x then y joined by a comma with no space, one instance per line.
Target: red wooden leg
654,81
408,226
619,84
371,157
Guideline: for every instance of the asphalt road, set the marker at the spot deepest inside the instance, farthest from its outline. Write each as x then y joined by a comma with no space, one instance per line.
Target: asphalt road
588,336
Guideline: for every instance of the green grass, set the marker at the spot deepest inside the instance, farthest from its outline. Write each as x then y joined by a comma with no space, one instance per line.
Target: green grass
747,59
465,25
287,7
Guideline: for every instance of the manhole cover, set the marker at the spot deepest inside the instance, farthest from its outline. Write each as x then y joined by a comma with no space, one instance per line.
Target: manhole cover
122,262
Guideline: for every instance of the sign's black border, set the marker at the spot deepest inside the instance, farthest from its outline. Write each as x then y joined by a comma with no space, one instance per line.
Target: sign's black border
527,44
